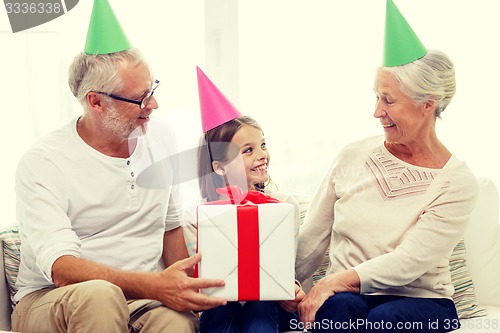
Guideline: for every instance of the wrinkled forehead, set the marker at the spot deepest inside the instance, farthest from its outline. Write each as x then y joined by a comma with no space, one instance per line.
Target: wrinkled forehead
135,77
385,82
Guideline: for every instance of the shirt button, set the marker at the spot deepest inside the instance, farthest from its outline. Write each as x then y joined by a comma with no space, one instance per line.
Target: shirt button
128,162
132,174
132,186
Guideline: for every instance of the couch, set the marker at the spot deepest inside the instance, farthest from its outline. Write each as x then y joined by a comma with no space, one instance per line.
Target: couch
476,266
482,239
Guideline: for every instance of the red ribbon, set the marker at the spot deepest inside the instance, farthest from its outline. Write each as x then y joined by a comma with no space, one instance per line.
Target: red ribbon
248,253
237,196
248,237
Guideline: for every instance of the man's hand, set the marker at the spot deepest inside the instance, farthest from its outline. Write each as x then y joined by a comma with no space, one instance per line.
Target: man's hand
173,287
178,291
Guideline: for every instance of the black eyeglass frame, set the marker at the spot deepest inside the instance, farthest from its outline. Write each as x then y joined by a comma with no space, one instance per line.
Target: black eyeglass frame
142,103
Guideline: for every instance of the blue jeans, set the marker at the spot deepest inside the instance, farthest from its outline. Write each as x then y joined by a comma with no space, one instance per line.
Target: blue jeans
347,312
251,317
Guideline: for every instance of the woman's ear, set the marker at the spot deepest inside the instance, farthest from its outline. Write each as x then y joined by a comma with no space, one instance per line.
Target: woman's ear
430,106
218,168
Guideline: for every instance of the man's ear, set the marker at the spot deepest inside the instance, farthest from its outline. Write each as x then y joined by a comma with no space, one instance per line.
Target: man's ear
95,101
218,168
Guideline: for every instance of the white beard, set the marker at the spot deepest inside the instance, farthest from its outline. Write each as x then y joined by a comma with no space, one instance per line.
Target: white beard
117,127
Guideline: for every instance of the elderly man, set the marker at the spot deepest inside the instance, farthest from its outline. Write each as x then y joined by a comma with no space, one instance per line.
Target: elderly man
91,235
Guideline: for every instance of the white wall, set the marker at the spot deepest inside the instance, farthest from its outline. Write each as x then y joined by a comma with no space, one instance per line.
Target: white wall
34,95
307,69
304,70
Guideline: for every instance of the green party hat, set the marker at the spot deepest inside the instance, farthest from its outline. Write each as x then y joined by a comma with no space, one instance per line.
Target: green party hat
105,34
401,44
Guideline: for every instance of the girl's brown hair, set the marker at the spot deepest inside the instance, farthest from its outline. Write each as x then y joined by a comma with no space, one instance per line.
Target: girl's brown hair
217,148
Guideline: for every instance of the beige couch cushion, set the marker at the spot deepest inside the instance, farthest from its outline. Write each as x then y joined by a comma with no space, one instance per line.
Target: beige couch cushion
11,243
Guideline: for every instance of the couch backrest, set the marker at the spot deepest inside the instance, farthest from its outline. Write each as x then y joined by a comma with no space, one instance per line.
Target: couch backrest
483,244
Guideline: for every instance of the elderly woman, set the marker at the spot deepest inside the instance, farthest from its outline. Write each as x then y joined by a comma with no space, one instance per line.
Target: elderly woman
391,209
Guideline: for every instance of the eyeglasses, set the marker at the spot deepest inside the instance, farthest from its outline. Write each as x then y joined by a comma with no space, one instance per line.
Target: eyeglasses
142,103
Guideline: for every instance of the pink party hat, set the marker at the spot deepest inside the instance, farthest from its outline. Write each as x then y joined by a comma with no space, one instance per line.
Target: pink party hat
215,108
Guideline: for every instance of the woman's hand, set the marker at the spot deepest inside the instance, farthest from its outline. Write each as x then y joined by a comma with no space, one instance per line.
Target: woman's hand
347,281
291,306
314,300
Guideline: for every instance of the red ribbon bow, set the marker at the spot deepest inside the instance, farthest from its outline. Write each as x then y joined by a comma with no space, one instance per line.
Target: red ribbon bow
237,196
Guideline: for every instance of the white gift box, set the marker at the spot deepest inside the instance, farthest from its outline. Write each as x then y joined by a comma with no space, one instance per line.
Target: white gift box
255,241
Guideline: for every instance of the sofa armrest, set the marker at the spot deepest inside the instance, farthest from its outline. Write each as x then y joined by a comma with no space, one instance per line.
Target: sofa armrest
483,244
5,307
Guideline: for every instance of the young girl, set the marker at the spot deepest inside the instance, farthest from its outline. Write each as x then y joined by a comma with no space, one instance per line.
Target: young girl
242,161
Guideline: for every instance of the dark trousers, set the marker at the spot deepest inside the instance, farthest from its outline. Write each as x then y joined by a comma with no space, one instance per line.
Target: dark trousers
347,312
250,317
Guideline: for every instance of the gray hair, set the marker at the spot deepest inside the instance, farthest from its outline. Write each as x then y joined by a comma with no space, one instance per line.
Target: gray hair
431,77
99,72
